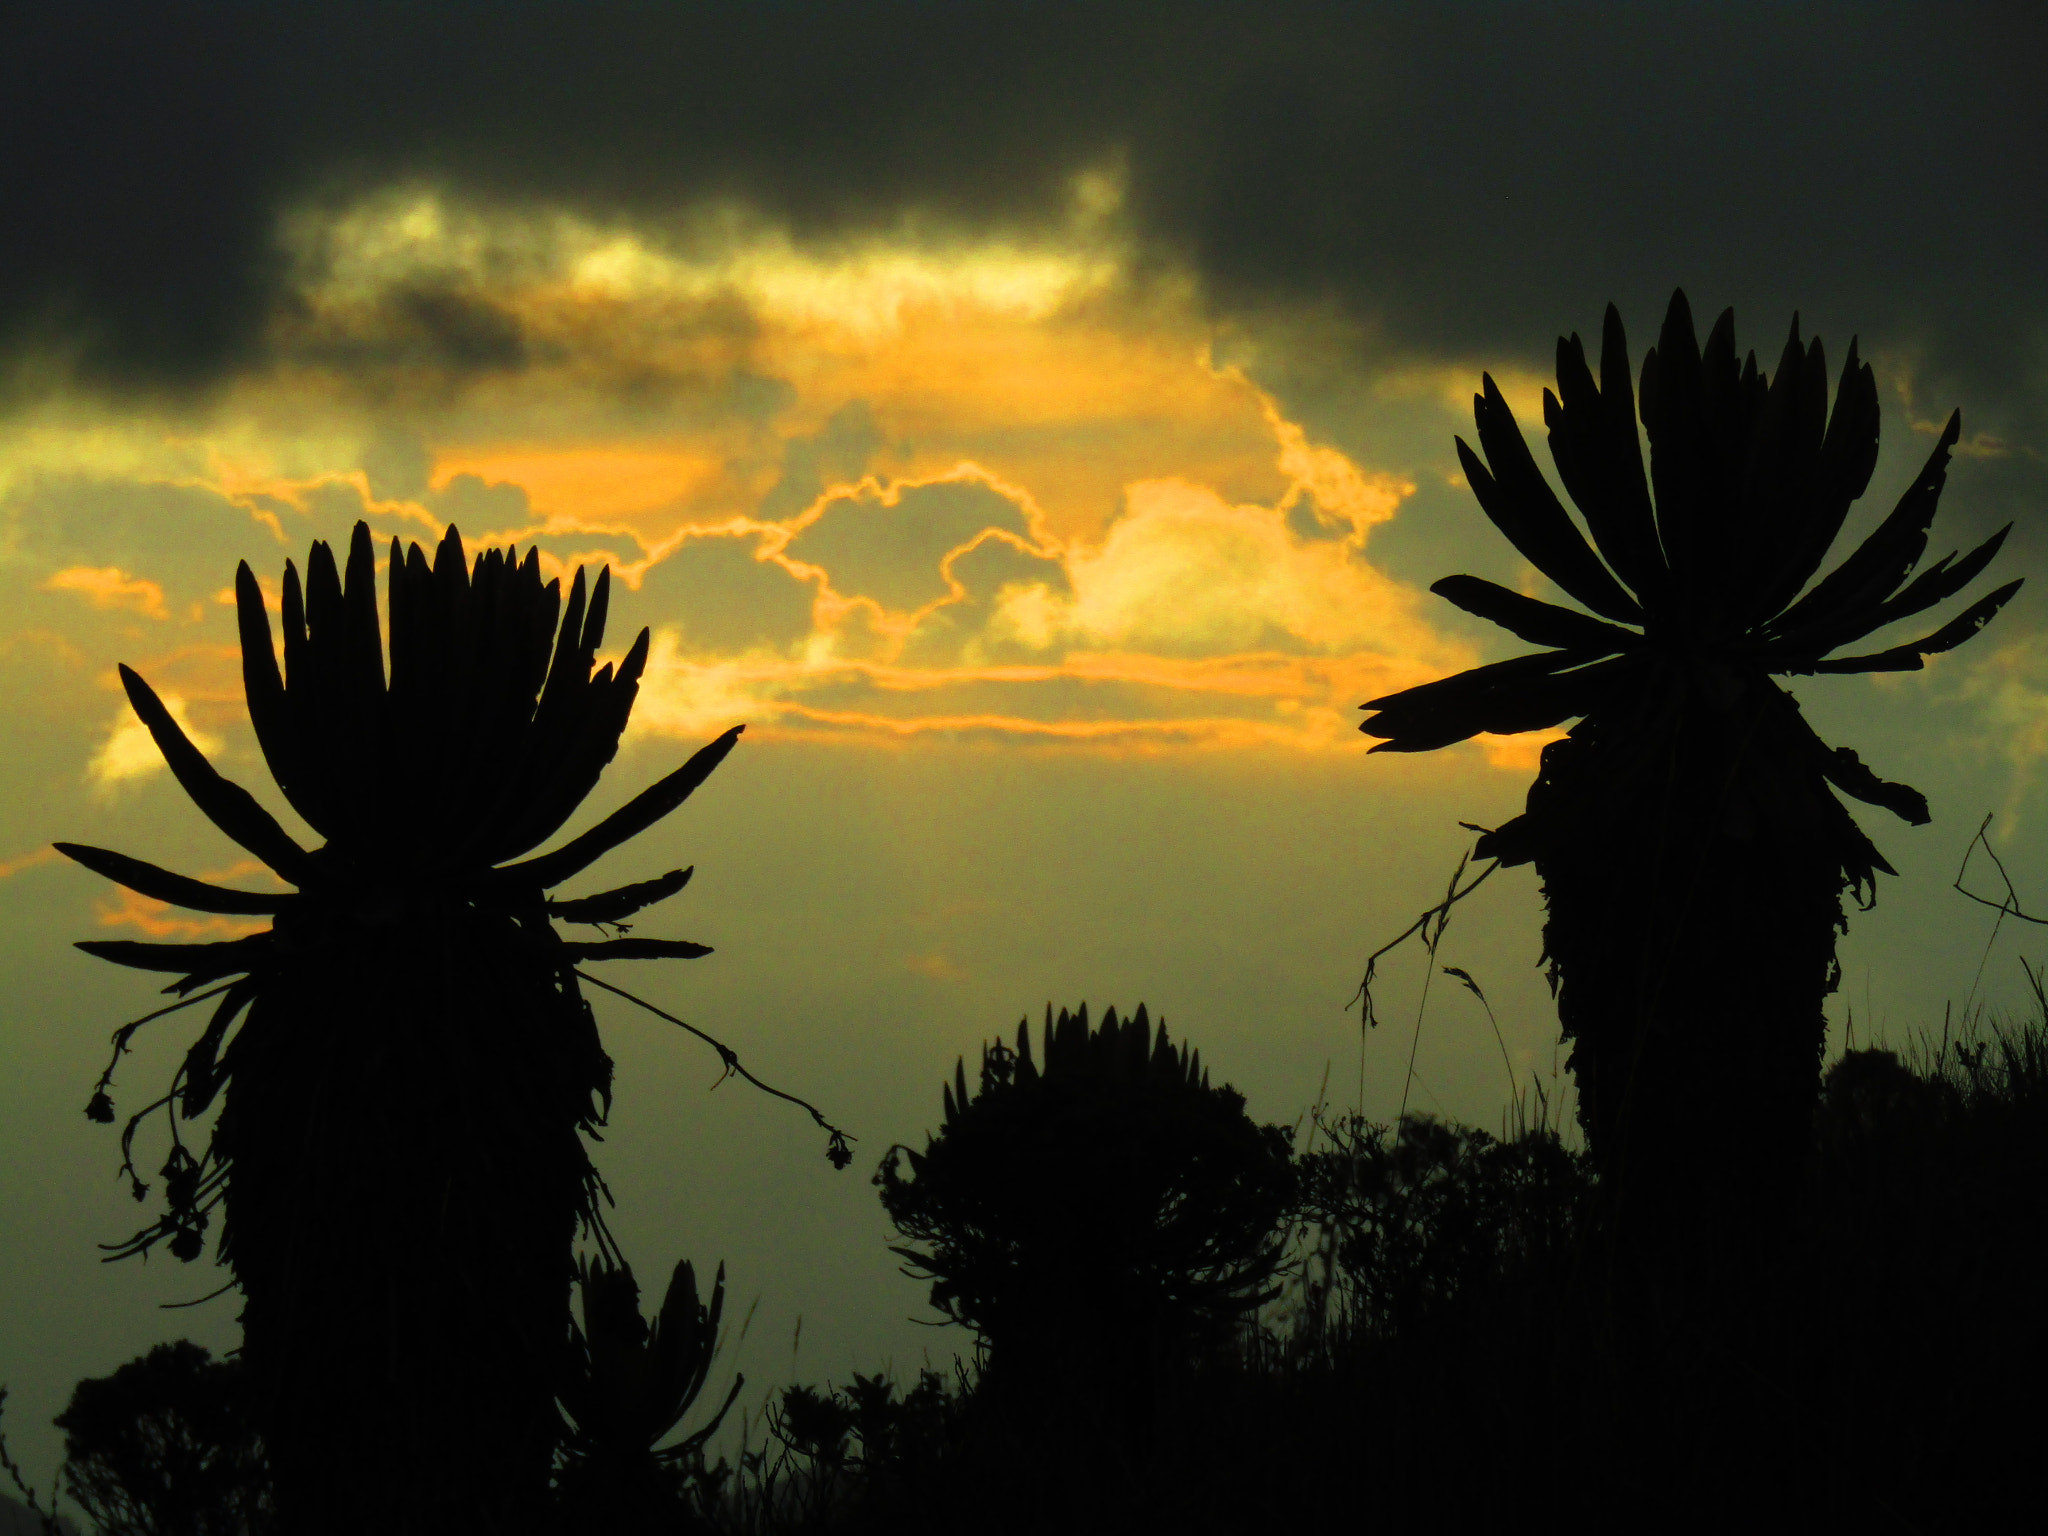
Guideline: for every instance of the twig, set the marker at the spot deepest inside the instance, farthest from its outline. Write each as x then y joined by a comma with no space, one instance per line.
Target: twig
123,1034
2010,907
839,1152
1473,987
198,1301
1440,916
48,1520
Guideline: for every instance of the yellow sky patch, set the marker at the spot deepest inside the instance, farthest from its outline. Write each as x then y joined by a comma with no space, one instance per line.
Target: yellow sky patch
29,860
658,487
129,752
159,920
124,908
108,586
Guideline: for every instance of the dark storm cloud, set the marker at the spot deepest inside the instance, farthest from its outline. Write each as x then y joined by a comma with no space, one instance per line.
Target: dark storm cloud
1450,180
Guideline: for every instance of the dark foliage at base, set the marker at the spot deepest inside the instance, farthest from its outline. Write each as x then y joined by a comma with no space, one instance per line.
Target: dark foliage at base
1463,1345
630,1382
1489,1358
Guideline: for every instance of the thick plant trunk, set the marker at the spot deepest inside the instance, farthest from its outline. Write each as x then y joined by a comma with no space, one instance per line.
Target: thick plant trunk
403,1124
1694,888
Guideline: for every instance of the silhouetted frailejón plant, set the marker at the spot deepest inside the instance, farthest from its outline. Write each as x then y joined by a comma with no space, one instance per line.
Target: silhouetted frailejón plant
630,1382
166,1447
399,1150
1106,1213
1692,854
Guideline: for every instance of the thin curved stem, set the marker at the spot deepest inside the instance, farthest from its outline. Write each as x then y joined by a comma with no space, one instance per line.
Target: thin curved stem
839,1152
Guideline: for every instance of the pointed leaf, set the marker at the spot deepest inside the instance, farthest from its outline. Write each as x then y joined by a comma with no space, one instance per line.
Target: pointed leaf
363,641
564,673
402,597
1781,487
638,814
614,906
293,618
1907,658
1854,592
313,768
1847,458
164,885
607,708
636,949
270,713
226,804
331,716
566,701
1846,771
600,604
1530,619
1599,458
1836,474
451,567
1519,501
199,963
1672,417
1493,674
323,602
1497,703
1943,581
201,1071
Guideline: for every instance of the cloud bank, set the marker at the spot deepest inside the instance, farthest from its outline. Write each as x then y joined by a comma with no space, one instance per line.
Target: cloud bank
1443,180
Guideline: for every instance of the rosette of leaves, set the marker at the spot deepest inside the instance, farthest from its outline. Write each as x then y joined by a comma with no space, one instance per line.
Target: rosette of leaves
630,1382
405,1066
1102,1206
1687,830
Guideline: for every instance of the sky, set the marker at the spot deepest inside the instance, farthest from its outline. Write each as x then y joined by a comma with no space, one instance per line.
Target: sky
1035,423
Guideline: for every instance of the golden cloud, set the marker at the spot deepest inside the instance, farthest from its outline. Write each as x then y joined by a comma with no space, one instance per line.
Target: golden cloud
1186,571
29,860
130,753
159,920
972,488
108,586
2010,686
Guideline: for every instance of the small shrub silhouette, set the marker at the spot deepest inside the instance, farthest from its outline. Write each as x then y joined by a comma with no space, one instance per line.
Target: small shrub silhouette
166,1446
1106,1213
1408,1225
1871,1094
852,1454
866,1426
630,1382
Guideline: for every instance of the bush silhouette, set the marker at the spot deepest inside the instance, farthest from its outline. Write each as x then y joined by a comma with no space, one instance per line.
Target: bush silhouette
166,1446
1106,1212
1407,1226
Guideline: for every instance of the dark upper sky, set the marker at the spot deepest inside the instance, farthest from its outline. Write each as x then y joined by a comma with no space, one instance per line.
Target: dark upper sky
1459,179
